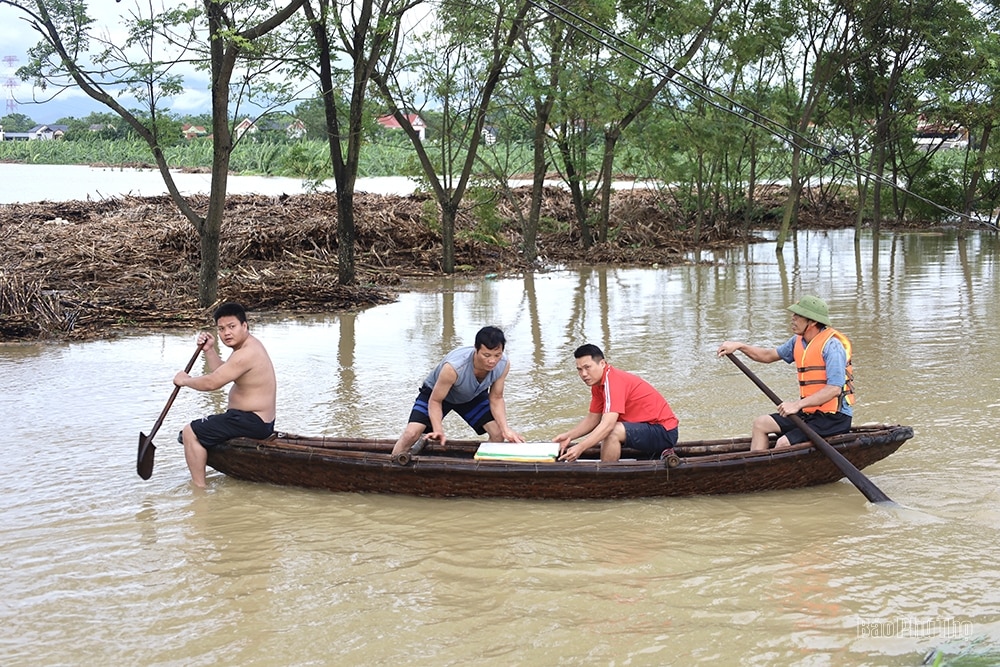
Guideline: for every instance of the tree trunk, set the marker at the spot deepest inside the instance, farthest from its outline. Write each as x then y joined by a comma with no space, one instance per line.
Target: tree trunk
539,170
576,192
221,64
607,165
977,171
751,195
449,213
879,170
794,188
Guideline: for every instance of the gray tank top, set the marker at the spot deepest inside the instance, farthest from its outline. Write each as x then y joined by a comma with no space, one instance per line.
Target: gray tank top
466,387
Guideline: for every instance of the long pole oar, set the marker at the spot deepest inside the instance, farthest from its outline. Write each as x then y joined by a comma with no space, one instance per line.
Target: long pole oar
144,462
864,485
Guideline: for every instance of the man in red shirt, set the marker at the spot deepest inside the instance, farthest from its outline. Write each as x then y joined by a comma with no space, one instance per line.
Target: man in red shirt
625,410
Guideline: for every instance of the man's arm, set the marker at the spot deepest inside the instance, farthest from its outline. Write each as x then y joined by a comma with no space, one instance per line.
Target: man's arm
435,404
585,426
819,398
599,432
602,427
228,371
498,407
765,355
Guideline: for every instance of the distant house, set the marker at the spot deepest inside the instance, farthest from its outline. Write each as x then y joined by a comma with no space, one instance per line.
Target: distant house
295,129
245,126
48,132
37,133
193,131
930,134
389,122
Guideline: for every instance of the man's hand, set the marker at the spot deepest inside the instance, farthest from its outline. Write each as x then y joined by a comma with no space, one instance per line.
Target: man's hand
512,436
787,408
206,341
572,453
728,347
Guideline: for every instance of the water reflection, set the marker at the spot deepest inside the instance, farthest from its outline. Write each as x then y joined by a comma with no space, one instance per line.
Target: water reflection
262,575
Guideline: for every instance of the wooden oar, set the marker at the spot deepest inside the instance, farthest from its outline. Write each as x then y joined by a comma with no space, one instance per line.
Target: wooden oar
864,485
144,462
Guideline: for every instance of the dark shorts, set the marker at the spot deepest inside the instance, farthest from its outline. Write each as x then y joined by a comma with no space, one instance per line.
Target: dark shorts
652,439
476,412
824,423
216,429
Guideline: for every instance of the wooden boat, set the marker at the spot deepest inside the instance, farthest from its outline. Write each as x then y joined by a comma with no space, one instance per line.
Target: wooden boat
701,467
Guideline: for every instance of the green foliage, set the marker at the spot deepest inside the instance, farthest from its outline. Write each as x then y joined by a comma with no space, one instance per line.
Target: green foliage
977,653
550,225
759,72
306,161
489,222
430,215
941,185
16,122
107,126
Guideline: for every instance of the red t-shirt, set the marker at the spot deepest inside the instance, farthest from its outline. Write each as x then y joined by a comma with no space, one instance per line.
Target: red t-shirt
634,399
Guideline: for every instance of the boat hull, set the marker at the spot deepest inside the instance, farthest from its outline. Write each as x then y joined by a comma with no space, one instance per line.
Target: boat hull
706,467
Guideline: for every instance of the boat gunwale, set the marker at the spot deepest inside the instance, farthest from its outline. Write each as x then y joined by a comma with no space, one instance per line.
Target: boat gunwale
334,450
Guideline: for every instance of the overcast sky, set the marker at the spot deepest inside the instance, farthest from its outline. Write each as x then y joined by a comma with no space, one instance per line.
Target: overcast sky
16,37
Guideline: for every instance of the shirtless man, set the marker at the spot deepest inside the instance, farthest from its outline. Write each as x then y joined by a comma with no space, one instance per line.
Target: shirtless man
470,381
252,400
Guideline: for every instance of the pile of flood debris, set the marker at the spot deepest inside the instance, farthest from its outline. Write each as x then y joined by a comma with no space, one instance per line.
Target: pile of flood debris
81,269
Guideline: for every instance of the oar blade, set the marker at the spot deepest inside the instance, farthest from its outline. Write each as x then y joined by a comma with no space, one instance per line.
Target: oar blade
144,462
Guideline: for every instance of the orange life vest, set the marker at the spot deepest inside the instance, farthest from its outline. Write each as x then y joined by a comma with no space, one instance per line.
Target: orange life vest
812,370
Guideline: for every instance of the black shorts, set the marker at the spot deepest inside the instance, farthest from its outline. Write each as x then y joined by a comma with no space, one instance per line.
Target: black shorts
824,423
476,412
651,439
216,429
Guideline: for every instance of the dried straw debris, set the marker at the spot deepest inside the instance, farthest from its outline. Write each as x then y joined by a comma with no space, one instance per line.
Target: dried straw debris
82,269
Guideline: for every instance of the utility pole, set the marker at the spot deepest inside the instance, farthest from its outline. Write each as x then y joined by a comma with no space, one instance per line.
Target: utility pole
10,83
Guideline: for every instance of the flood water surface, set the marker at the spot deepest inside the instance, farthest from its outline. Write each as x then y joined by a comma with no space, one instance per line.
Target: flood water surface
100,566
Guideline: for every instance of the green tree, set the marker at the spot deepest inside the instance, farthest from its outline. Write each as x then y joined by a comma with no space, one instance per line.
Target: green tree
458,64
16,122
821,32
898,49
530,94
219,35
361,37
675,35
95,125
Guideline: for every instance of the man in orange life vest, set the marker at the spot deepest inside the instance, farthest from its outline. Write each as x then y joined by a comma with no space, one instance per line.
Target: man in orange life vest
822,357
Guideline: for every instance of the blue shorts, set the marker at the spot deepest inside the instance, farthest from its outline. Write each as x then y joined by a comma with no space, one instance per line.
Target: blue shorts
216,429
651,439
824,423
476,412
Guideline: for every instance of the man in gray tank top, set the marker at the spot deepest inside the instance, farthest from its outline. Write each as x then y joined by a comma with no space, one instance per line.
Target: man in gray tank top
470,381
